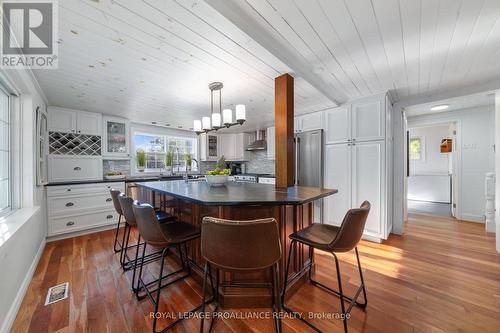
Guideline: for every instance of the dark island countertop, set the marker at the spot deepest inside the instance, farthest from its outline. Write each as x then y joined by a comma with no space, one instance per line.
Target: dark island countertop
234,194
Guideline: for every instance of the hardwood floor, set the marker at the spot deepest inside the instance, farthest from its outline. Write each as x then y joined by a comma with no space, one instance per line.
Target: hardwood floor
438,277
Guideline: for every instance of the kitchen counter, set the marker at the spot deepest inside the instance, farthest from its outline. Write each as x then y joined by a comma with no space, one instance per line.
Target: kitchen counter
129,179
292,208
234,193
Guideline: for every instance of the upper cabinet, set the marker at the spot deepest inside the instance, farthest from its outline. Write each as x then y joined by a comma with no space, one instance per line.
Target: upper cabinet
116,137
308,122
368,119
361,120
338,124
73,121
233,146
209,147
271,143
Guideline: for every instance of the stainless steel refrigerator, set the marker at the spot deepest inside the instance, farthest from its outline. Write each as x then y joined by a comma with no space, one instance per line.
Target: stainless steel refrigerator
309,164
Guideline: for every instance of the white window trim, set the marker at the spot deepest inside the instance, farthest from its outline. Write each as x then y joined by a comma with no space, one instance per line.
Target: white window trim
151,172
422,148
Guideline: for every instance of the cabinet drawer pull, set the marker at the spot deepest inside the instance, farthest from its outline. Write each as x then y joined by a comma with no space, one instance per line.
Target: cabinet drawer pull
70,223
77,168
69,190
109,200
69,204
109,217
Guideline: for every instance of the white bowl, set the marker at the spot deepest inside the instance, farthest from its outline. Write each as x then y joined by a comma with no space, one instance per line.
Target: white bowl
219,180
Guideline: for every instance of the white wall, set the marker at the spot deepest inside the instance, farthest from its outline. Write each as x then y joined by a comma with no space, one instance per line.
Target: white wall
20,252
476,126
433,161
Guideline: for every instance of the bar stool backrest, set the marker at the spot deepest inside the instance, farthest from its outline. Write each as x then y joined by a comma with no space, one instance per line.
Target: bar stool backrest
148,224
116,203
127,210
240,245
351,230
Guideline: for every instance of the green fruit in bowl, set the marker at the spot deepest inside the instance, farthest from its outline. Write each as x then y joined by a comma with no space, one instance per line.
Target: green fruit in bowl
219,172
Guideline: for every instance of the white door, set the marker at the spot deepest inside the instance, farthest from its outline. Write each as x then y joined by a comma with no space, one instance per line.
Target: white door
271,143
368,120
61,120
89,123
338,125
367,182
337,176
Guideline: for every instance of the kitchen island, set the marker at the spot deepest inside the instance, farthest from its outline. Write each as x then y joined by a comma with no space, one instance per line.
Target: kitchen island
292,207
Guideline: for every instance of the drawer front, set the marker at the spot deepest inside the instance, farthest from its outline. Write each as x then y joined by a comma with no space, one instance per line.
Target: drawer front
63,168
71,204
267,180
96,188
61,225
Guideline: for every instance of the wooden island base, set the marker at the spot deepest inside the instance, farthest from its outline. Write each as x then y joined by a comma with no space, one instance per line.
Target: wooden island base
290,218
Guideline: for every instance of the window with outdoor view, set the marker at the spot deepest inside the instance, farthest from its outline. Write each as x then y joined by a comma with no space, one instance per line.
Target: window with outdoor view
157,146
415,149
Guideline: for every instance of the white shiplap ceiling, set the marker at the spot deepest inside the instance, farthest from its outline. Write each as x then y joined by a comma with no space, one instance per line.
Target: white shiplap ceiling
478,101
152,60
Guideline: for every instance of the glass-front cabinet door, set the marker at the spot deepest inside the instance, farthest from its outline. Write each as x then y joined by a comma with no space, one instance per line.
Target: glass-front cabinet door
116,137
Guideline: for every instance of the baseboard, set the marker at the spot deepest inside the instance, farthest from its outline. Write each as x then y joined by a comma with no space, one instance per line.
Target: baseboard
491,227
372,238
11,315
473,218
81,232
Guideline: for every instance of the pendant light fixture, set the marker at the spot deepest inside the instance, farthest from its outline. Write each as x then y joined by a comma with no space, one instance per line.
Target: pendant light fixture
220,119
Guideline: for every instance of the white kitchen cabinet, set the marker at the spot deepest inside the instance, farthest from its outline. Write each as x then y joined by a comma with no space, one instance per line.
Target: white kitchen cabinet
227,144
74,121
89,123
80,207
338,125
62,120
367,182
209,147
63,168
308,122
233,146
271,143
116,137
337,175
358,162
368,119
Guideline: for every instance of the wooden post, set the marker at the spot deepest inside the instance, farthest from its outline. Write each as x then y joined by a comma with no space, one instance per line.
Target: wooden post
283,120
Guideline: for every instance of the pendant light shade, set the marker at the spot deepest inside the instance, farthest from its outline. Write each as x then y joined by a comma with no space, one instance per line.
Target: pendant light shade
240,113
216,120
227,115
197,126
206,123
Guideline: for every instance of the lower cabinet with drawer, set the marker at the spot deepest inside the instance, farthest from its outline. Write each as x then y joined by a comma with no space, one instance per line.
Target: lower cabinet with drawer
73,208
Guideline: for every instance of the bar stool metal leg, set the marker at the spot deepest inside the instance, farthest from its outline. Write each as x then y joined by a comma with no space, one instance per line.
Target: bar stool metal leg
340,293
116,236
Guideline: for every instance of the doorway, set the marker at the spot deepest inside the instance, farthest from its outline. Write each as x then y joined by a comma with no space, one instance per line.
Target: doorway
432,172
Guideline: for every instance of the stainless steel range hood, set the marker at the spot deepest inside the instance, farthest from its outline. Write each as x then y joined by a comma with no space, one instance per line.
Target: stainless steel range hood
260,141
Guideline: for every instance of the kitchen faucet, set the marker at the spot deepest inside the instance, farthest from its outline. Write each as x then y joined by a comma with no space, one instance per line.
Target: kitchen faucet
186,175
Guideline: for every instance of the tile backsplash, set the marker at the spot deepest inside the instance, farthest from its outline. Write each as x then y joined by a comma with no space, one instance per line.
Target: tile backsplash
259,163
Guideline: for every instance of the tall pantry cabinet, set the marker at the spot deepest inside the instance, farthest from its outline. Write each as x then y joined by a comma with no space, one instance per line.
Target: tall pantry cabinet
358,162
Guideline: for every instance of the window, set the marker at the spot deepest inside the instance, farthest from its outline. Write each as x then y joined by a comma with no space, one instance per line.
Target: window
416,149
5,149
156,147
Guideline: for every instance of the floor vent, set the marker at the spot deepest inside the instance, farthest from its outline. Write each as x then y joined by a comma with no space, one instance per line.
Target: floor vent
57,293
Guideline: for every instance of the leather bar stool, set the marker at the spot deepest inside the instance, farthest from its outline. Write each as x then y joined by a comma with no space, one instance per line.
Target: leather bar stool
333,239
125,261
238,246
128,213
164,236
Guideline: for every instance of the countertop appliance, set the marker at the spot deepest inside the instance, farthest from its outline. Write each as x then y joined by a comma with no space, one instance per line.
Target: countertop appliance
309,164
251,177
